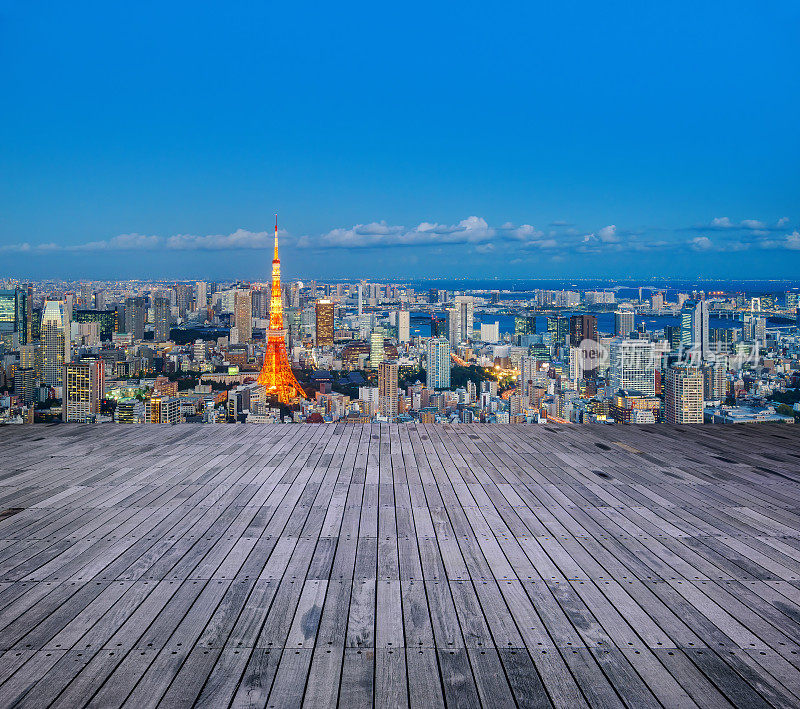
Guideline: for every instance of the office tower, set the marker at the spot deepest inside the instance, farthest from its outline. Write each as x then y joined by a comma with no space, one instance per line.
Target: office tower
324,319
276,374
438,364
243,315
465,307
14,317
754,327
528,371
582,327
694,329
183,298
69,303
199,351
24,383
83,389
525,325
135,316
715,379
30,357
657,301
106,319
672,334
684,395
453,327
260,297
558,327
623,323
86,295
433,295
162,319
403,326
201,295
100,300
387,388
162,408
29,314
376,351
633,366
360,299
55,341
490,332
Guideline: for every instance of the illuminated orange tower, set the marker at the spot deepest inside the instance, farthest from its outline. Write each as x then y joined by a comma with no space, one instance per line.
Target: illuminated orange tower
276,374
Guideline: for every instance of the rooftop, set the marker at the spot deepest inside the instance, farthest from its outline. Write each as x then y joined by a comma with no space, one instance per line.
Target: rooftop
409,565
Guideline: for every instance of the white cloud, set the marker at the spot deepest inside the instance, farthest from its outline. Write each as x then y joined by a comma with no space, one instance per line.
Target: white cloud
793,240
722,222
608,234
472,230
702,243
753,224
783,221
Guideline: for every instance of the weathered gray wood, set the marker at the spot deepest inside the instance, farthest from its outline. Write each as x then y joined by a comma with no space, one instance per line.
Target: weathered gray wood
397,565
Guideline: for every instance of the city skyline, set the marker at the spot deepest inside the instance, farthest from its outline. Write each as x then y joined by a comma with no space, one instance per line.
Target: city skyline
575,141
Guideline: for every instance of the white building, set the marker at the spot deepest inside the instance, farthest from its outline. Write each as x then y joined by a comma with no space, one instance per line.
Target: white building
633,366
490,332
438,364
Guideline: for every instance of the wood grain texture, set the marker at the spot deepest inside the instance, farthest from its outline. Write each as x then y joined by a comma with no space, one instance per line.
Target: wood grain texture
399,565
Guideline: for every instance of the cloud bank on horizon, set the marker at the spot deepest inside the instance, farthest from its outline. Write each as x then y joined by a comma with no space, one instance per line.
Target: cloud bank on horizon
474,233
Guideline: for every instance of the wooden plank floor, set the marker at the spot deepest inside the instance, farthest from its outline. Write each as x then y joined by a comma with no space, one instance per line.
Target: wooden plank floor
399,566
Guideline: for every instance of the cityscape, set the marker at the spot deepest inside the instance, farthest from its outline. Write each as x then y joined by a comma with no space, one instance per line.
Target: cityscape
363,352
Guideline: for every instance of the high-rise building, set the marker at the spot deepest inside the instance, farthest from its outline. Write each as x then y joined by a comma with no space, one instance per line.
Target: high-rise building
684,395
715,379
453,327
558,327
624,323
24,383
14,317
633,366
243,315
694,329
582,327
360,299
100,300
135,316
433,295
260,297
525,325
438,364
672,334
183,298
387,388
324,312
201,295
55,341
403,326
162,318
490,332
83,389
106,319
465,308
376,349
162,408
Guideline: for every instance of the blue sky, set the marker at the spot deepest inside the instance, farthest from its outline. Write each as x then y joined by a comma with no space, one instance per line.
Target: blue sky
404,140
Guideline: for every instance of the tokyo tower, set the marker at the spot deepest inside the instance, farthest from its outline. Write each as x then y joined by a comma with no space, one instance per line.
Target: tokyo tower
276,374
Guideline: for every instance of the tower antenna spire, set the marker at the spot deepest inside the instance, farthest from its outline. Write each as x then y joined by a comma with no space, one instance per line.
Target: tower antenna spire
276,237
